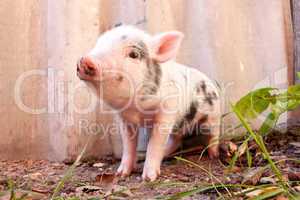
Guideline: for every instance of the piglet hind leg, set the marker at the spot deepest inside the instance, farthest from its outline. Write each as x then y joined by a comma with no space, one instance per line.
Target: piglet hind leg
128,162
174,142
212,128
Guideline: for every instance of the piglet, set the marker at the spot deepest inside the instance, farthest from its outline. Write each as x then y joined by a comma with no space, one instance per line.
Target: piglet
135,73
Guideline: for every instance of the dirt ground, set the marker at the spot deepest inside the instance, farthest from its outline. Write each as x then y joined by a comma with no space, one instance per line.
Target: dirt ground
94,179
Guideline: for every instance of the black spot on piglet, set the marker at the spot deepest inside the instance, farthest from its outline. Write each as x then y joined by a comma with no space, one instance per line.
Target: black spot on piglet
118,24
187,118
190,115
208,96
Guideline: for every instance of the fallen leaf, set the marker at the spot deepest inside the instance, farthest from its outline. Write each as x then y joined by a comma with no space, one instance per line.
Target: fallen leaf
35,176
297,188
39,190
254,193
265,180
253,175
261,191
99,165
233,169
119,191
3,180
293,176
87,189
105,178
295,144
228,148
242,149
19,193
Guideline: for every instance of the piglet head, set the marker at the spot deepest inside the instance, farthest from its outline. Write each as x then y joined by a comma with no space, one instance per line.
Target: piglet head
127,54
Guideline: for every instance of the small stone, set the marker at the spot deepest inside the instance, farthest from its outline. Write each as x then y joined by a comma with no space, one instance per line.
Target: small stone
99,165
207,179
265,180
35,176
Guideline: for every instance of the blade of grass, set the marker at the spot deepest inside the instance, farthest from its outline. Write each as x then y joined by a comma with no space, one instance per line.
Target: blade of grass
216,189
11,187
203,169
258,139
68,175
249,157
166,184
202,189
252,189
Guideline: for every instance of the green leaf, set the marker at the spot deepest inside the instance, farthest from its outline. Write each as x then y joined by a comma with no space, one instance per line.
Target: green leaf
255,102
294,89
259,141
249,157
293,104
269,123
298,75
233,160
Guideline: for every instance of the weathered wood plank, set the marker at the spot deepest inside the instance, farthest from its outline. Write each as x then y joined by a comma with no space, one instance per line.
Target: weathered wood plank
296,28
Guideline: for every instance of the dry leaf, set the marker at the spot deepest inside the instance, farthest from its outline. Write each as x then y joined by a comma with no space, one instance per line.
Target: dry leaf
99,165
297,188
265,180
35,176
87,189
293,176
105,178
228,148
259,192
295,144
253,175
242,149
281,198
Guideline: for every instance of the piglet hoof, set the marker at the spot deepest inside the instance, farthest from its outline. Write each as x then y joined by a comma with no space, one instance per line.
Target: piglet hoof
124,170
213,152
150,174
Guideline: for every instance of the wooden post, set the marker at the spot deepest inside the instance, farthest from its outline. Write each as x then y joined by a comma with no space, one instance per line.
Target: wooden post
23,80
295,10
296,28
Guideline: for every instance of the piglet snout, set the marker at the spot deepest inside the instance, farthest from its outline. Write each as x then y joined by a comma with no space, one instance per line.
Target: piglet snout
86,67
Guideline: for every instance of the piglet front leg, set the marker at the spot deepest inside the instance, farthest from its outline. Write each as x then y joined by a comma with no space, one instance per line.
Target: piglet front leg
129,140
156,150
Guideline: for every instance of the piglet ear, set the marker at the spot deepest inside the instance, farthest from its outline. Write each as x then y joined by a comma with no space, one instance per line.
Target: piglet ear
166,45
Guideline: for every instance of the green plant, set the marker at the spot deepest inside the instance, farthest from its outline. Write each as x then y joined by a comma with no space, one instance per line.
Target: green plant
68,175
13,196
274,103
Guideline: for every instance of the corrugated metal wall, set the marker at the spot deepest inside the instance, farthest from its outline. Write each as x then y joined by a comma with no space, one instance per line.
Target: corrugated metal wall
242,44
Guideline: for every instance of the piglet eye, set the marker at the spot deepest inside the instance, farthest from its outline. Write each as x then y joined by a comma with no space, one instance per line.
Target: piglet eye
134,55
